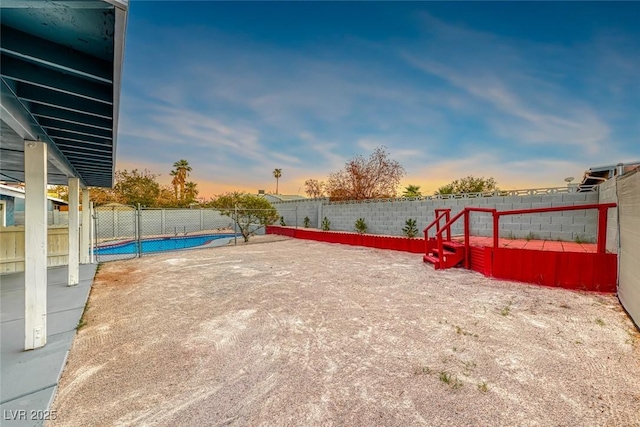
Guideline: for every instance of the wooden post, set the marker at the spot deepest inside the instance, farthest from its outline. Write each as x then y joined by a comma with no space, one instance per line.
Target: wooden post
496,226
602,229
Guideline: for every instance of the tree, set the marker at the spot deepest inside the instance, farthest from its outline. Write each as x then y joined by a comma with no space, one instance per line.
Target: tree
60,192
102,196
412,191
136,187
190,191
375,177
175,183
469,184
166,197
277,173
180,174
314,188
248,211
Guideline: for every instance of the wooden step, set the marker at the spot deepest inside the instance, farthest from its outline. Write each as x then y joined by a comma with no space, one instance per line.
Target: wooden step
454,245
433,260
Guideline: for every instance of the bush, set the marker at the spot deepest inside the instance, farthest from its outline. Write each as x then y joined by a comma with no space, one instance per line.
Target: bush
326,224
306,222
361,226
410,230
249,211
282,223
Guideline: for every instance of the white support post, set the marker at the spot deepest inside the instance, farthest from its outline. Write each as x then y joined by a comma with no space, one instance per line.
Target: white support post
85,231
36,241
74,228
92,234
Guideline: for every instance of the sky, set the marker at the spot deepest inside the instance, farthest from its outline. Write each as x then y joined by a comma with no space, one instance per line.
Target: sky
527,93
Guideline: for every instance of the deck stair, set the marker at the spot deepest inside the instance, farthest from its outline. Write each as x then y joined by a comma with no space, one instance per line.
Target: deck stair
453,254
440,250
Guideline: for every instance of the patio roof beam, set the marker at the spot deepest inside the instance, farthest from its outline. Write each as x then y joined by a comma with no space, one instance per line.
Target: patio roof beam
27,73
53,113
82,139
70,129
80,148
54,56
18,118
63,101
47,113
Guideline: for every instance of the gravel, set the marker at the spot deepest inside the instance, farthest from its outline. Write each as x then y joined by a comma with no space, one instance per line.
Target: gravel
295,333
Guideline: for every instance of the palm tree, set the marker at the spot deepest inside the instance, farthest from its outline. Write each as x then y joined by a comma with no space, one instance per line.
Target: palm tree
175,182
277,173
412,191
181,170
191,191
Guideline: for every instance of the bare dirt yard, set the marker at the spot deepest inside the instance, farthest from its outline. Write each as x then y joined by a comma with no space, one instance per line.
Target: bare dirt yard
299,333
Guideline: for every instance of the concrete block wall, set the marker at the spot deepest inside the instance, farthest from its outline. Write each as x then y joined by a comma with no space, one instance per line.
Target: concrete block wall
294,212
388,217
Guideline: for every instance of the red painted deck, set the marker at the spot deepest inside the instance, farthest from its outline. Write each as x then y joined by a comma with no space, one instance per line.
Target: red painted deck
567,265
538,245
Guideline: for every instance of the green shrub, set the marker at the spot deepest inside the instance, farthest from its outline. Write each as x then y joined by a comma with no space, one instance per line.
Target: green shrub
306,221
410,230
361,226
282,223
326,224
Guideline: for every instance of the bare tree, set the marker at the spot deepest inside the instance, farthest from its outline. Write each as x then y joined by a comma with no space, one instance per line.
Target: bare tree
376,177
314,188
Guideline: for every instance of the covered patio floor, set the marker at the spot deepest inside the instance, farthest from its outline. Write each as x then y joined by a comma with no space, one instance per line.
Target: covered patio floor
29,378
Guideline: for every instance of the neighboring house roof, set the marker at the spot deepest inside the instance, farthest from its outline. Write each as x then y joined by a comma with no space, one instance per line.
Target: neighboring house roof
599,174
283,197
18,193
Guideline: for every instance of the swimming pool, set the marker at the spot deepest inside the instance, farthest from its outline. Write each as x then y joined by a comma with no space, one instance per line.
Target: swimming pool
161,244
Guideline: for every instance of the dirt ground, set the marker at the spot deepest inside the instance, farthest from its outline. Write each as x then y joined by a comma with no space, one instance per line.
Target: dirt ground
299,333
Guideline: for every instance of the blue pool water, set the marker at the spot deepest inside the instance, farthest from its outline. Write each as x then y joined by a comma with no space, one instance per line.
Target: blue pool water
162,244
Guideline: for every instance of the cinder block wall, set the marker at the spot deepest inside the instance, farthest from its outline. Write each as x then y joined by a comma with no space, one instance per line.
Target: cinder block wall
388,217
294,212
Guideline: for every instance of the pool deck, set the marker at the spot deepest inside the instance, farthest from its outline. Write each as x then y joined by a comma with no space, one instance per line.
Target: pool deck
29,379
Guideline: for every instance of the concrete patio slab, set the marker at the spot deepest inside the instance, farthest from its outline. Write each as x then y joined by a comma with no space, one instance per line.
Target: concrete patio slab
28,379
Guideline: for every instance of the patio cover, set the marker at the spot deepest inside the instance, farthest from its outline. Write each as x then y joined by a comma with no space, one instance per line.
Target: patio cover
61,66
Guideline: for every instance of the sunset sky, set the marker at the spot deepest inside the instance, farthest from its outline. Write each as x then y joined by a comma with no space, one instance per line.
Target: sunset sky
529,93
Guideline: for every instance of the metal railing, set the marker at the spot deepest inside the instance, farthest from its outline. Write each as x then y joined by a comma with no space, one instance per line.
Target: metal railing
443,233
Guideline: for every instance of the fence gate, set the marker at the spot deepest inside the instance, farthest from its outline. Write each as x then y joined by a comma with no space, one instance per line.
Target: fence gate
116,232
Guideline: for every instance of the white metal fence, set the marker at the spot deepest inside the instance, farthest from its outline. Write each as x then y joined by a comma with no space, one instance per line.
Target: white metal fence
122,232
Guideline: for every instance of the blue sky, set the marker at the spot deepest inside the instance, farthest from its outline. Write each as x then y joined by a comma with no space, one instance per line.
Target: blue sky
528,93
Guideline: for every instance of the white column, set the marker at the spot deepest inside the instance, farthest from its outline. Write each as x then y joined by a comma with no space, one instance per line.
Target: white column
92,237
35,241
74,231
85,231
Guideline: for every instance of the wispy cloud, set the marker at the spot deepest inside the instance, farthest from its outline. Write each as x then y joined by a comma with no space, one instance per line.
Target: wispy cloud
448,102
496,72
